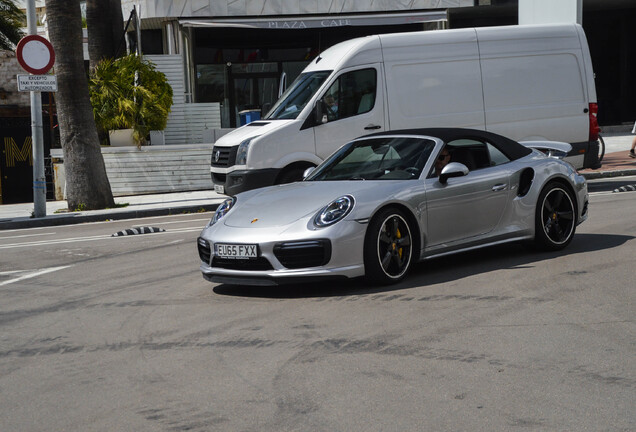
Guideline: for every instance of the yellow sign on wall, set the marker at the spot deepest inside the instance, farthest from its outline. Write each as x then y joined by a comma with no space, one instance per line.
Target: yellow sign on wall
13,153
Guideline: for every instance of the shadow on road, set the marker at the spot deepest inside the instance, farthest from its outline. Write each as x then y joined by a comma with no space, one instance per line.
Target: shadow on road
435,271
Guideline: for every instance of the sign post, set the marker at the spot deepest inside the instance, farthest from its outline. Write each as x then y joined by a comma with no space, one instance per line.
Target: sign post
35,54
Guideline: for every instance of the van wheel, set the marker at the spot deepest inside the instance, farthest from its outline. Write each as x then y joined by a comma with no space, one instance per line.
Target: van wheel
291,175
388,247
555,218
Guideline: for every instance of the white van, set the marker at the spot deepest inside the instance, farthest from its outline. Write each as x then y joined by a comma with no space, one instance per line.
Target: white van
523,82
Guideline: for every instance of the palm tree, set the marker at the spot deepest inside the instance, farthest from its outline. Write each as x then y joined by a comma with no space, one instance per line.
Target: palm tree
11,20
87,184
105,26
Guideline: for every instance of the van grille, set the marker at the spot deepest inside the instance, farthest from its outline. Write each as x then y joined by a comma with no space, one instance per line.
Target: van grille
223,156
301,254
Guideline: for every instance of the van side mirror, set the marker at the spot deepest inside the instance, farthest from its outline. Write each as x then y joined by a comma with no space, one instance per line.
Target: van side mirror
320,117
307,172
453,169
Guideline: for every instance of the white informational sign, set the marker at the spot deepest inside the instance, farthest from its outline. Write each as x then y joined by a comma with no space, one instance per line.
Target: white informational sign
39,83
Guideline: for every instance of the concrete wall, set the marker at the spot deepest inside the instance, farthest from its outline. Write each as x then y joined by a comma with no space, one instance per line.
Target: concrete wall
149,169
9,68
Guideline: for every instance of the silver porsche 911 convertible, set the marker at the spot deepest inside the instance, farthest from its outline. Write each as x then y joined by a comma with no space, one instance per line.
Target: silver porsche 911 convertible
385,201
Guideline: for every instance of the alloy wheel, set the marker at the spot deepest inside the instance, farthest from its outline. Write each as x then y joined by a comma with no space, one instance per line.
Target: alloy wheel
558,216
394,246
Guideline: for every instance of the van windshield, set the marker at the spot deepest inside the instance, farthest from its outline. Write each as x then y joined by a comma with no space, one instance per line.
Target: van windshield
292,102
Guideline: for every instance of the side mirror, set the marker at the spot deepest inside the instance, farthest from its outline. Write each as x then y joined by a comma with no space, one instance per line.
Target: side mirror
307,172
453,169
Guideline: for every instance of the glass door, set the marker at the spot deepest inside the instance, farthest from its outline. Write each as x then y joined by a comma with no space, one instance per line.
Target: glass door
254,91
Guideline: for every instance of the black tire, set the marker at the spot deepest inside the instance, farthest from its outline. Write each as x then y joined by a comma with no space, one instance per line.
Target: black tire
555,218
388,247
601,148
291,175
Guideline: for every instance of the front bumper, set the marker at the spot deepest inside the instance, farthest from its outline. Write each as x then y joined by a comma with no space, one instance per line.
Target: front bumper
285,256
582,198
238,181
269,279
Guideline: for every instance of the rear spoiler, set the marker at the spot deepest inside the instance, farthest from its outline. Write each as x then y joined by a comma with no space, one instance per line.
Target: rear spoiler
555,149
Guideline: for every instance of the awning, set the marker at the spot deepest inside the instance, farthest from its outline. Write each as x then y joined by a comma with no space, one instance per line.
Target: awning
327,21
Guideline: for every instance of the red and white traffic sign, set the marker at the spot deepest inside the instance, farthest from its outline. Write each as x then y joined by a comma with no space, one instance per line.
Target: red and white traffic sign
35,54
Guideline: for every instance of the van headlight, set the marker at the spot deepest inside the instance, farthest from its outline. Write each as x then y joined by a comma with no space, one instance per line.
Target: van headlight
241,154
335,211
221,211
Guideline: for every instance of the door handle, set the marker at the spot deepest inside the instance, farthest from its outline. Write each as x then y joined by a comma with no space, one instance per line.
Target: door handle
372,127
499,187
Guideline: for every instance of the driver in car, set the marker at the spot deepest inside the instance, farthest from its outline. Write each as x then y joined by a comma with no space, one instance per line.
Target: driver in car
442,160
332,107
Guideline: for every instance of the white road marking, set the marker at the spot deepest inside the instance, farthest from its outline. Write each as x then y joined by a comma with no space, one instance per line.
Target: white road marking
92,238
111,221
26,235
206,220
36,273
54,241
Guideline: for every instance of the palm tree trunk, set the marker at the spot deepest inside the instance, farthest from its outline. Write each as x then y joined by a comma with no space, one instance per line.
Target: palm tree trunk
105,30
87,185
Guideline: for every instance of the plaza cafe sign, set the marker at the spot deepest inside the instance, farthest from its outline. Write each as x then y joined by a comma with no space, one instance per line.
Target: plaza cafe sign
319,22
303,24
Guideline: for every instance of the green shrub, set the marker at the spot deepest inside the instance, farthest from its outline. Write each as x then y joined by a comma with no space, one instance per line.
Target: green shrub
120,103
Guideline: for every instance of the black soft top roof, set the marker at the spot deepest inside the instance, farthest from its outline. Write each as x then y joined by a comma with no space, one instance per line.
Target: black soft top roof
510,148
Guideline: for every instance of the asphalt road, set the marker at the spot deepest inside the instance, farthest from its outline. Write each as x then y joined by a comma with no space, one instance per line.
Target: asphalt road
99,333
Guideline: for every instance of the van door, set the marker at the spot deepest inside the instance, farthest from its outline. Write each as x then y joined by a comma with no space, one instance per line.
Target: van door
535,85
354,106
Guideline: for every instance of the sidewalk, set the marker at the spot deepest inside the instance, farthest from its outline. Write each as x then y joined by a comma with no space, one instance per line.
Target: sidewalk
13,216
613,165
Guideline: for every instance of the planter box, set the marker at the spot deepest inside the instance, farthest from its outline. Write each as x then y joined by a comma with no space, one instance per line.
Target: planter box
157,138
151,169
121,138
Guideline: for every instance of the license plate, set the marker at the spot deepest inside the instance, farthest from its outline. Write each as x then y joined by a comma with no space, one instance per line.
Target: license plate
236,251
219,188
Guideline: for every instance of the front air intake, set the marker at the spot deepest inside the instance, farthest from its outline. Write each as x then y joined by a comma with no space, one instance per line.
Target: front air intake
301,254
204,250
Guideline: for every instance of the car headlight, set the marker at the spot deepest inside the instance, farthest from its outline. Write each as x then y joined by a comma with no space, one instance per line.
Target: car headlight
221,211
241,153
334,211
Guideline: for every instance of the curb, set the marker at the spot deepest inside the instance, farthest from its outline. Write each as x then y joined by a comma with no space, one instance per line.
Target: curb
77,218
608,174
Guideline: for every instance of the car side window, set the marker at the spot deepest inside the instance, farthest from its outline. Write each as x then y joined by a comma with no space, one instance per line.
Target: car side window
476,154
469,152
351,94
496,156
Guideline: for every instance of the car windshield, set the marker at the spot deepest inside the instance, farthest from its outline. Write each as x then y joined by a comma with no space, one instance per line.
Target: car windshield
382,158
292,102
